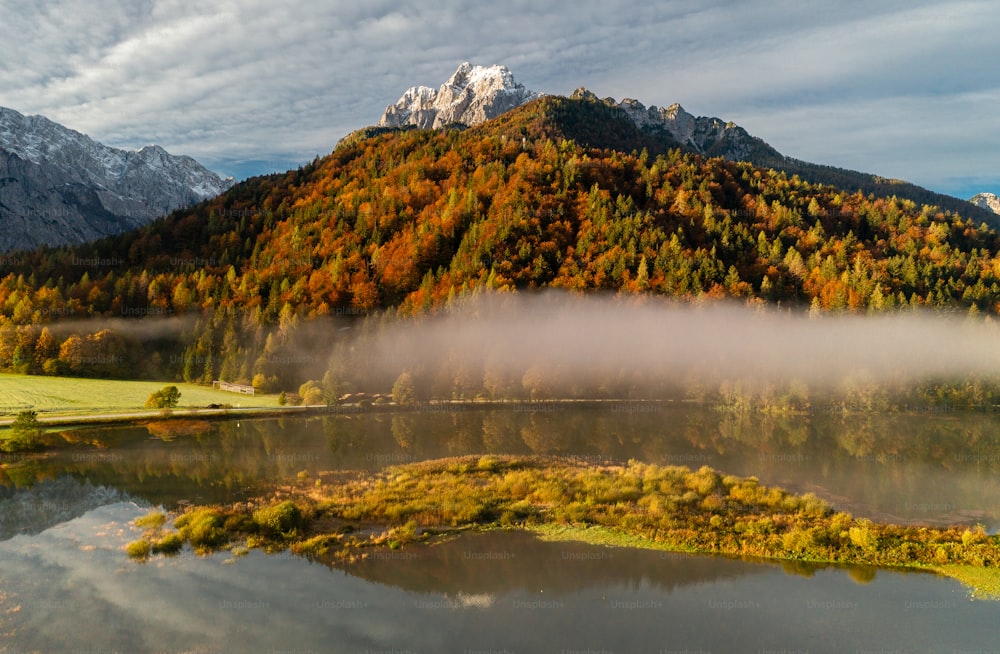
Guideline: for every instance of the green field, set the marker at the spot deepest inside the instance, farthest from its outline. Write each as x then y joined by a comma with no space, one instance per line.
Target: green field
71,396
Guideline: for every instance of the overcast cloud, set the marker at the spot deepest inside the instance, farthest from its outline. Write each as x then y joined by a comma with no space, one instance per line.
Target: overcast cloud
903,89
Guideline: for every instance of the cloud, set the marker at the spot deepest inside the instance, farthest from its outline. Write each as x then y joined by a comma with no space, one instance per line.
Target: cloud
235,83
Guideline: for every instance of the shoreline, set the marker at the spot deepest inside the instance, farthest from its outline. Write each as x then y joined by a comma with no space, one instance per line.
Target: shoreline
141,416
99,417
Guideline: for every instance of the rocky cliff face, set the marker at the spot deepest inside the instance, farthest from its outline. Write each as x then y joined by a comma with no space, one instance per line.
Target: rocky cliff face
711,137
987,201
473,95
58,186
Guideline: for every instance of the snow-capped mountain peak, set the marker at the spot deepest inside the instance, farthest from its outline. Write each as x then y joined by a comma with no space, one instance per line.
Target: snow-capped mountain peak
472,95
475,94
987,201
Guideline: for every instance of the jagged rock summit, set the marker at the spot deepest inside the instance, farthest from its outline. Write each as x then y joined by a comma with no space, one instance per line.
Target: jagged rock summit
987,201
473,95
58,186
704,135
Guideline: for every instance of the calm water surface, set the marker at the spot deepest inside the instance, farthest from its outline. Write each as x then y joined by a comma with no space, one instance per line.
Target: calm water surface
66,584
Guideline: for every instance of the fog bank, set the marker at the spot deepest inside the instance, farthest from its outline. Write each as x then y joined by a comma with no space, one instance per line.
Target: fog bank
588,339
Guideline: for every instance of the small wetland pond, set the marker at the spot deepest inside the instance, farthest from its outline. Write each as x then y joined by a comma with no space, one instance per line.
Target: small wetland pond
66,583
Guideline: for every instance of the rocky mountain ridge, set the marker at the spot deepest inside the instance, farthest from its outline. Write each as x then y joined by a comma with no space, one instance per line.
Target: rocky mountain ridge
705,135
58,186
475,94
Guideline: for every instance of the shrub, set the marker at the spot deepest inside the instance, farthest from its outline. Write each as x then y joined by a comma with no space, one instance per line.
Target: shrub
165,398
280,518
139,549
311,393
152,520
863,535
202,528
169,544
25,433
488,464
399,536
317,545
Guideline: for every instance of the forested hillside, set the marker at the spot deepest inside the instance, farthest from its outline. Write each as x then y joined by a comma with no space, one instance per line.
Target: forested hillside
559,193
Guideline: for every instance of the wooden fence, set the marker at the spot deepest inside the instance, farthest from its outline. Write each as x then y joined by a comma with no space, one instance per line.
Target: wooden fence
243,389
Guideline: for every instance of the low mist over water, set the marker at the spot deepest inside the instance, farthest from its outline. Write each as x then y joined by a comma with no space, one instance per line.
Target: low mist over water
589,341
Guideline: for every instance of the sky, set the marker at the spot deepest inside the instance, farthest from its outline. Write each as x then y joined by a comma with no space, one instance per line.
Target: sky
905,89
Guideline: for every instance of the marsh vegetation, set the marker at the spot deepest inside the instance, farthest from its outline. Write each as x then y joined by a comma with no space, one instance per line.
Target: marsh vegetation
665,507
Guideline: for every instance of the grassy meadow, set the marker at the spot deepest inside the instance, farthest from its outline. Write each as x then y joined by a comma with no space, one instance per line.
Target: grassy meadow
76,396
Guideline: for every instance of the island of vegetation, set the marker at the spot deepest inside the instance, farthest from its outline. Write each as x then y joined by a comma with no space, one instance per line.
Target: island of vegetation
347,515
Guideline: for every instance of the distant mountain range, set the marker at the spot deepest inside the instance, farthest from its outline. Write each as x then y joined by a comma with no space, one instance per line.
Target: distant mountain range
58,186
475,94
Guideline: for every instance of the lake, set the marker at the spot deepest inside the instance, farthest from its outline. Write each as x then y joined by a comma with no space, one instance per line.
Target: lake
66,584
